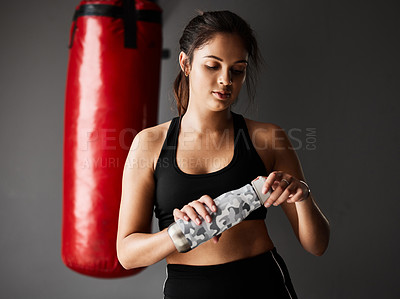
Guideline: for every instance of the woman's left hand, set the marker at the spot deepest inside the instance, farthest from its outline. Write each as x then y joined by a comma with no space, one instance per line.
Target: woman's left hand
285,188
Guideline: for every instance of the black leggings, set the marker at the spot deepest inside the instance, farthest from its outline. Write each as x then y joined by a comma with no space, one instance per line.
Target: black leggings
262,276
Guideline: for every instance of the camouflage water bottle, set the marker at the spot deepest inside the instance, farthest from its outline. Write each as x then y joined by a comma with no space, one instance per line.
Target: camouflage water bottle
232,208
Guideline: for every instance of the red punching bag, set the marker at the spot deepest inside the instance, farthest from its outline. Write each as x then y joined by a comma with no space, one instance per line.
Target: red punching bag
111,94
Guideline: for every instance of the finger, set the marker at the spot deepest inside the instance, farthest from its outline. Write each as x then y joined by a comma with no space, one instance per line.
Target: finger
271,178
201,210
286,181
286,195
276,194
215,239
275,185
192,214
297,196
178,214
209,202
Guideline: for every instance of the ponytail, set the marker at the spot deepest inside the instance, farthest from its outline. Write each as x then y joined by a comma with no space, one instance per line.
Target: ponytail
181,92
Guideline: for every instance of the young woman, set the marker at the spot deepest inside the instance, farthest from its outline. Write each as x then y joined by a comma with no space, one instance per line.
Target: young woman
178,167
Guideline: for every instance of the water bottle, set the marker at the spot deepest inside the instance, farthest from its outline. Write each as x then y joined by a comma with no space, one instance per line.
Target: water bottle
232,208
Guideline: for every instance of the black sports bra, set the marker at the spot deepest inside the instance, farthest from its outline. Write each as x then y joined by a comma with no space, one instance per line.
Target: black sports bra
175,188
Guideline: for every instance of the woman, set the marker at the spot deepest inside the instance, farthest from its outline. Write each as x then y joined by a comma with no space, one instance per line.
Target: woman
179,166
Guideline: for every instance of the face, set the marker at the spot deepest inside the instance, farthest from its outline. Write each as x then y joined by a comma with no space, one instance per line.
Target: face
217,73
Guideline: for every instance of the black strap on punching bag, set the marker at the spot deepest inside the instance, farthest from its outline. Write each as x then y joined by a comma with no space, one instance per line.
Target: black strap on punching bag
127,12
130,28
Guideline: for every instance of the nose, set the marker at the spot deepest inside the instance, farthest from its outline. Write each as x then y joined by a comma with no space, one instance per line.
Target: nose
225,78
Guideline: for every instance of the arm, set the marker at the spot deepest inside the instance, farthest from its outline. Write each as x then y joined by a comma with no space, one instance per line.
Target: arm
309,224
136,246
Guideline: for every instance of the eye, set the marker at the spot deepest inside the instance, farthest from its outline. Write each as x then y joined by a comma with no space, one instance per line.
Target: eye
211,67
238,71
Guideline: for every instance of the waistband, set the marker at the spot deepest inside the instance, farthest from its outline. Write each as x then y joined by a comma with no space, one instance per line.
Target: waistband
250,263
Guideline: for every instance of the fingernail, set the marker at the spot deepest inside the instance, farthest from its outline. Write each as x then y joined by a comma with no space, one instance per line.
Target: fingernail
267,205
208,218
186,218
264,190
214,208
198,221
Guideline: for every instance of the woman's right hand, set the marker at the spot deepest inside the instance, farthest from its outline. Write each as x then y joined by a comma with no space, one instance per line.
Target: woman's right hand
197,208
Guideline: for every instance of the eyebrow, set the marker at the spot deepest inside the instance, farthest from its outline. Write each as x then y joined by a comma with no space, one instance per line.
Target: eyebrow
220,59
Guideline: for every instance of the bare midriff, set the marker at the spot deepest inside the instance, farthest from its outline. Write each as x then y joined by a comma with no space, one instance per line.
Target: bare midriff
246,239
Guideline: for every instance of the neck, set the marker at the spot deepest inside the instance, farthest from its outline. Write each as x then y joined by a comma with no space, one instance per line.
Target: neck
202,121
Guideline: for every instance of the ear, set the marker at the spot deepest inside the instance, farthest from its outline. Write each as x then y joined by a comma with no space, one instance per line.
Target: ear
184,63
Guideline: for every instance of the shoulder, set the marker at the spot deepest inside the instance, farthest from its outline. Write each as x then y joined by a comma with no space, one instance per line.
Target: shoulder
152,135
271,143
262,126
266,135
147,144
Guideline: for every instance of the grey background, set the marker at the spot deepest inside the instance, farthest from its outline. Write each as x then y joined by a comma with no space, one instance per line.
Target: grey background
331,66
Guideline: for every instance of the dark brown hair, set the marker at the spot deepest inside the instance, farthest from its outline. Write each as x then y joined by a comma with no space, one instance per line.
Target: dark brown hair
200,30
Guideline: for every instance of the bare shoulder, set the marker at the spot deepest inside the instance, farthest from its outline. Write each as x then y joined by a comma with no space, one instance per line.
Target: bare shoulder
253,125
266,139
152,136
263,134
148,143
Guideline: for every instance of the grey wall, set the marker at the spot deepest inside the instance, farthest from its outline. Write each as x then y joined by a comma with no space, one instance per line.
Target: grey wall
331,80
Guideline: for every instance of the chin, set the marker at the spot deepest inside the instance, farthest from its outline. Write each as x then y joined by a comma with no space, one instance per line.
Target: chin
220,107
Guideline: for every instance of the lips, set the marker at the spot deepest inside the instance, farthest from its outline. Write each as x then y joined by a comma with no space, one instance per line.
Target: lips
222,94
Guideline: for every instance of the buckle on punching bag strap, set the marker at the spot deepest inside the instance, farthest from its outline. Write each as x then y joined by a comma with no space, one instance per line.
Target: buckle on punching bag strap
127,12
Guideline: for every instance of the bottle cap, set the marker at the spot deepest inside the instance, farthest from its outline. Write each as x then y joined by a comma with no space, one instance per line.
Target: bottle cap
178,238
258,184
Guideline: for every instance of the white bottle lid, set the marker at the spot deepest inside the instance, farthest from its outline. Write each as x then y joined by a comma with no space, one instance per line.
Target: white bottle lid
257,184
